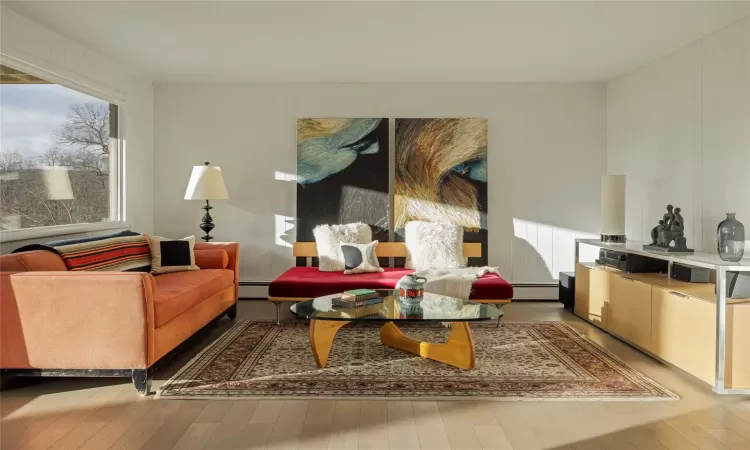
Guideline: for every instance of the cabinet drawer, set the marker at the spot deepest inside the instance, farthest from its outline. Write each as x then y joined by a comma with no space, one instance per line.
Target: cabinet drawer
592,294
600,288
629,314
684,332
581,306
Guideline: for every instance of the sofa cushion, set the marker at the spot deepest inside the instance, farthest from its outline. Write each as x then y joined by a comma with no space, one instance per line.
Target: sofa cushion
309,282
215,258
32,261
179,291
172,255
360,258
328,240
434,245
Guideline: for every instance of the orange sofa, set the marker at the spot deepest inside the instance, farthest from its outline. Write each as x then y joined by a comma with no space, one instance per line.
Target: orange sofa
59,323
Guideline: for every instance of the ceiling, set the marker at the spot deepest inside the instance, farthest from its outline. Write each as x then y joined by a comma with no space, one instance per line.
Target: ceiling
383,41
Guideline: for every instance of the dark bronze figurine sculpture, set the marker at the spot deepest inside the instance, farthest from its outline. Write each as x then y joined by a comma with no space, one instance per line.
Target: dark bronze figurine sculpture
670,229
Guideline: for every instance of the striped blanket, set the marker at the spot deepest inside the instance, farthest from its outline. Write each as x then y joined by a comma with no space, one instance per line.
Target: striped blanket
126,251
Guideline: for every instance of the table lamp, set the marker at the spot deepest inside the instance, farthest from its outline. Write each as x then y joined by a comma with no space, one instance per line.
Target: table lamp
206,183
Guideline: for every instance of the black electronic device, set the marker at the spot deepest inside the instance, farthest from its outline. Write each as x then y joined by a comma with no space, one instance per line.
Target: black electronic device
738,285
690,274
631,262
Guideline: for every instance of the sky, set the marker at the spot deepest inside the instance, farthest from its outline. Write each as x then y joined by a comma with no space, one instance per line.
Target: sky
31,113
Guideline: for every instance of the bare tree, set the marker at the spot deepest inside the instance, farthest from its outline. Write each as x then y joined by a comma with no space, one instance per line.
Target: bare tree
87,128
84,139
53,157
11,161
83,148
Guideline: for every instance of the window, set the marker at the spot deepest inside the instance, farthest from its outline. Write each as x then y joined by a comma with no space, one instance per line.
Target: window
58,154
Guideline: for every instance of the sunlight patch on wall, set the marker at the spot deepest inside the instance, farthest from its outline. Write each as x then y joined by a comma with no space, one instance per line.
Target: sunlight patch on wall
284,176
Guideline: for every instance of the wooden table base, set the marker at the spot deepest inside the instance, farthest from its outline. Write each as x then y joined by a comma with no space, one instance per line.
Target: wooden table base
322,333
458,351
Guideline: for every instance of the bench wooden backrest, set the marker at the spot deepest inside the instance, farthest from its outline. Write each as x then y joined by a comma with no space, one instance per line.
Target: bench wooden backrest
383,250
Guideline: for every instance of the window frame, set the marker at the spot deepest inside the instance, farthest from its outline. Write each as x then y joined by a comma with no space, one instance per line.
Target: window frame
117,157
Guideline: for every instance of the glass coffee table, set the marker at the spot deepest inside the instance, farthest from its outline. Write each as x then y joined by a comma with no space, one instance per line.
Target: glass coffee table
457,351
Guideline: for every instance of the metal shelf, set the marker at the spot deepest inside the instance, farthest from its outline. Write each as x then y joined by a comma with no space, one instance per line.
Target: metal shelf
698,259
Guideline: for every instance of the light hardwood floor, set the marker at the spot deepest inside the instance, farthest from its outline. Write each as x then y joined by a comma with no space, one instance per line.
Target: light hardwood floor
96,414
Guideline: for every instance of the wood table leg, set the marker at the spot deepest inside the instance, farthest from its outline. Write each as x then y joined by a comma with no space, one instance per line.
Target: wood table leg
322,333
458,351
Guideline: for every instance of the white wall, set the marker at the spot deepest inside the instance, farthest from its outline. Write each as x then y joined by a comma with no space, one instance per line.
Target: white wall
62,60
546,157
679,128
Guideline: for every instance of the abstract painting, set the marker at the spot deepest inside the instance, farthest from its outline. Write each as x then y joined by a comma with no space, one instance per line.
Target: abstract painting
441,175
342,174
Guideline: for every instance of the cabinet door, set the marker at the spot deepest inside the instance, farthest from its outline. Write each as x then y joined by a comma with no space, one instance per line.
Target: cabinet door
600,286
738,340
684,332
629,314
581,306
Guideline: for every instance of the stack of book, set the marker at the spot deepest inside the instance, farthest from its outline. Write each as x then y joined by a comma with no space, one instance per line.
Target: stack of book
361,311
357,298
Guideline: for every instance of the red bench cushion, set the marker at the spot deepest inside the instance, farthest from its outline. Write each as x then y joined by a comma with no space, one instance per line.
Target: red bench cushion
492,287
309,282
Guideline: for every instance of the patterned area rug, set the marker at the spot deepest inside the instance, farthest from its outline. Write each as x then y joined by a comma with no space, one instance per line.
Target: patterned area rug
518,361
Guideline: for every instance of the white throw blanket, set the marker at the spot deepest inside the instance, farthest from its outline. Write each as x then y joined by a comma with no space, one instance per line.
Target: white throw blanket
452,282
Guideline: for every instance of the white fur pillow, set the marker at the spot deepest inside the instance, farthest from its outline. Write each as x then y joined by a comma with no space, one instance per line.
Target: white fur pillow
434,245
329,238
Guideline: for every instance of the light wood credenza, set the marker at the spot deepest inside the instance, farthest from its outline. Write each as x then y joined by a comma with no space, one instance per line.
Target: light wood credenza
692,326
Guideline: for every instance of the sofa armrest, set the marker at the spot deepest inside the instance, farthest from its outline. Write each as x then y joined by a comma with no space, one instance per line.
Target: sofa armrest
233,251
77,320
211,258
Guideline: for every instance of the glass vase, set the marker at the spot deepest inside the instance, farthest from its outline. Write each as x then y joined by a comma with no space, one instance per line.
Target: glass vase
731,239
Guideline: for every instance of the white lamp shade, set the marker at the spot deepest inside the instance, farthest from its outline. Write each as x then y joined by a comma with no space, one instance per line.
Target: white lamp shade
206,183
613,205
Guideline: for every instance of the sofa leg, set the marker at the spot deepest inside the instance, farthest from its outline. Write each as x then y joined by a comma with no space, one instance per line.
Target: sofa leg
232,312
141,381
498,322
278,312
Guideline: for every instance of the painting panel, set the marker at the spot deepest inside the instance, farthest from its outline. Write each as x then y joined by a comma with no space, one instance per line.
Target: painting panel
441,175
342,174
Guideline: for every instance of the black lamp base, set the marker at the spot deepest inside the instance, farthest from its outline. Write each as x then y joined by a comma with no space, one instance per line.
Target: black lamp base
207,224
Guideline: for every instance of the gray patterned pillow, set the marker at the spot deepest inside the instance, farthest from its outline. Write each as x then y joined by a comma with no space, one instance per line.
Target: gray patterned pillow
360,258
